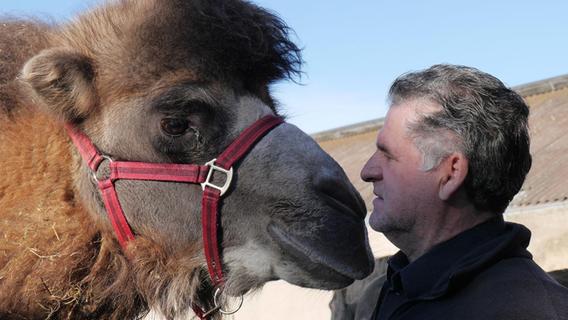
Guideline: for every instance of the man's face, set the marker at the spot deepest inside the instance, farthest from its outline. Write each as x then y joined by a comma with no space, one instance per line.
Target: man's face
405,195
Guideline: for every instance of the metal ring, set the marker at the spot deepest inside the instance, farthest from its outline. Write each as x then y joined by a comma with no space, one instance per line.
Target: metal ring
217,293
94,172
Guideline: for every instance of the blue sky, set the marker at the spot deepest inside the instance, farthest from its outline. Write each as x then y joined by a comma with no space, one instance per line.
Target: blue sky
354,50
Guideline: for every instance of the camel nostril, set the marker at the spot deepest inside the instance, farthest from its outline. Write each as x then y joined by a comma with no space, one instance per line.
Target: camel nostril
341,195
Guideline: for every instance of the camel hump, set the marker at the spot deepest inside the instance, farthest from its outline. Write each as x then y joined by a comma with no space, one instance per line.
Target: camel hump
19,41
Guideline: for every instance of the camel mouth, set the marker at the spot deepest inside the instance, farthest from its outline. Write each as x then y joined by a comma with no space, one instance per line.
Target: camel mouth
327,267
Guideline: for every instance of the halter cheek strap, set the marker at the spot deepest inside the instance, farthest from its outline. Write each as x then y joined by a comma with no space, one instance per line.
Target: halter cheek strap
185,173
128,170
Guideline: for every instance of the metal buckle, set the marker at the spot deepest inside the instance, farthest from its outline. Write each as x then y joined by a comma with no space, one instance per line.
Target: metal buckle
94,173
213,167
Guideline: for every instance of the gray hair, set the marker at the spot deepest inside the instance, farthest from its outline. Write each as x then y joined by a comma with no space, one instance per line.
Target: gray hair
479,117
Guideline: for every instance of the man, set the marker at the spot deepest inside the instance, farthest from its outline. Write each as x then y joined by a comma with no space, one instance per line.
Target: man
452,154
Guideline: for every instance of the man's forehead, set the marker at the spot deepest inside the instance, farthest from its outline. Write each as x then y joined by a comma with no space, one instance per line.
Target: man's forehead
396,126
380,136
395,123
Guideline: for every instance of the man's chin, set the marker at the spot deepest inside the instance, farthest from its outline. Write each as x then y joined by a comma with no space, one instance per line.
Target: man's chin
380,222
376,221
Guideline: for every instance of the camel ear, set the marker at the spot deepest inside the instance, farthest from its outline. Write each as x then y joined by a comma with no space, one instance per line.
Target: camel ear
63,82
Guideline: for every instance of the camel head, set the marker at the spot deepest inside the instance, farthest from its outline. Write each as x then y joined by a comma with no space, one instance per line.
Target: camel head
177,82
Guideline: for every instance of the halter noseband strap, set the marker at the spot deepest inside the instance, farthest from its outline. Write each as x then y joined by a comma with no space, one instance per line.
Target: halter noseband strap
188,173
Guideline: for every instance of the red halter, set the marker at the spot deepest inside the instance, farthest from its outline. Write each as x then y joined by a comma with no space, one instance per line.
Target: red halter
188,173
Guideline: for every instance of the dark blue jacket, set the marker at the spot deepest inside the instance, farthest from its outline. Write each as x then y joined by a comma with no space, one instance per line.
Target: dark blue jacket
483,273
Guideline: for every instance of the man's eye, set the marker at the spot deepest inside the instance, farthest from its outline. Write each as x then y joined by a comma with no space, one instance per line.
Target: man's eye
174,126
386,156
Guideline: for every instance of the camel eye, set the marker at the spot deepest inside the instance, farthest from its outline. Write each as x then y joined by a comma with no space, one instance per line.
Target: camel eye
174,126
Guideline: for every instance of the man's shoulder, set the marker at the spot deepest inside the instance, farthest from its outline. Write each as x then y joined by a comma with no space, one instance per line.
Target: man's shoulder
518,286
519,273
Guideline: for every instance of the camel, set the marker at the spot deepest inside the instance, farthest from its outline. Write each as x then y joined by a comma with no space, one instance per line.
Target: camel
174,86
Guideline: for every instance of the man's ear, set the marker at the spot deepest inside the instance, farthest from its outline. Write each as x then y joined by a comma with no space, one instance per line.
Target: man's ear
62,81
454,171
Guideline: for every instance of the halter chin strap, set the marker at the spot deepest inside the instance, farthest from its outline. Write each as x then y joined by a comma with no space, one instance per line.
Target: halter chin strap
187,173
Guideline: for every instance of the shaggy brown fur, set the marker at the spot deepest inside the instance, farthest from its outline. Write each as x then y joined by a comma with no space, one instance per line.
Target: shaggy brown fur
54,263
56,260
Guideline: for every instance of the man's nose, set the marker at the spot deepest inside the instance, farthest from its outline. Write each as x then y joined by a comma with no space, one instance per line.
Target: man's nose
372,170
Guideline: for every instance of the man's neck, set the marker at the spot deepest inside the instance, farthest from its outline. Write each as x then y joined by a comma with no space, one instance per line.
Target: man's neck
424,237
